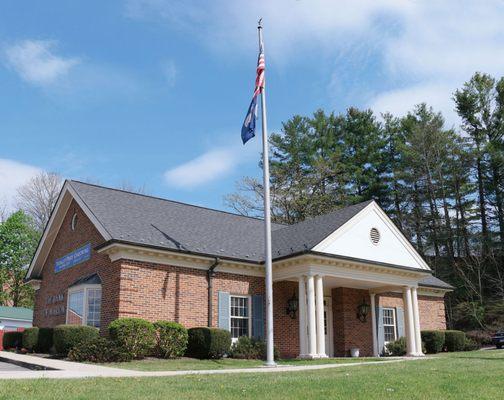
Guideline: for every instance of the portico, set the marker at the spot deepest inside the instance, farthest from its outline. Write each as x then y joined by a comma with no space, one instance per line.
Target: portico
322,278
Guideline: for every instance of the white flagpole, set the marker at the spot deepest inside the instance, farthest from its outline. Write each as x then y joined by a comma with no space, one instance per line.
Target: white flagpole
270,360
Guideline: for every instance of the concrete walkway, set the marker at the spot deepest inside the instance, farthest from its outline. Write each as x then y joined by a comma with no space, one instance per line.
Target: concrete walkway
68,370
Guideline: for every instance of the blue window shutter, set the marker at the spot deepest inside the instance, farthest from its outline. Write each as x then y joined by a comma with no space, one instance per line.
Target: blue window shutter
258,316
224,310
400,322
381,331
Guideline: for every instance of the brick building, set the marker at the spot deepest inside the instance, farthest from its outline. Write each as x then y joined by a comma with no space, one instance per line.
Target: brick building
347,279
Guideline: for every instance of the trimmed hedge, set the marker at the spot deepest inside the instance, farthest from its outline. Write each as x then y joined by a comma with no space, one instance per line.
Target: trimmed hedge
12,340
434,341
208,343
30,338
136,336
45,340
251,349
171,339
98,350
67,336
396,348
454,340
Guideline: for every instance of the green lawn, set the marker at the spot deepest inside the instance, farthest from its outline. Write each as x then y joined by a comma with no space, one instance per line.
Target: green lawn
474,375
155,364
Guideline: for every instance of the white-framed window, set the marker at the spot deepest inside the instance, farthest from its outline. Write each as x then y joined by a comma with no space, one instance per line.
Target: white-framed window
389,324
84,305
239,316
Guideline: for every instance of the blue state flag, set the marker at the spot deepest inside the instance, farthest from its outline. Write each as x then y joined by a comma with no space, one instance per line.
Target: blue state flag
248,128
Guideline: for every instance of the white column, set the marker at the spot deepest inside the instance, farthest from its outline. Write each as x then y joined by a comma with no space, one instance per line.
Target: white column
416,322
409,327
319,293
373,324
302,317
312,330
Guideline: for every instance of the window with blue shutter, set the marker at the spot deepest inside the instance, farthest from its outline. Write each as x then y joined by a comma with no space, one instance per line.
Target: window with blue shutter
223,317
258,316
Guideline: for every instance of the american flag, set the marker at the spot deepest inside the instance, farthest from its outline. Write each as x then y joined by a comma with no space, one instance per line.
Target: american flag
260,72
248,128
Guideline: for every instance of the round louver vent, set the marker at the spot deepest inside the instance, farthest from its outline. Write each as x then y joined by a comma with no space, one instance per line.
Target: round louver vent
374,234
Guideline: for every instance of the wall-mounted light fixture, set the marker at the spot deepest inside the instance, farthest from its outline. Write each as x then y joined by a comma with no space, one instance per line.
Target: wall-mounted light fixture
363,311
292,306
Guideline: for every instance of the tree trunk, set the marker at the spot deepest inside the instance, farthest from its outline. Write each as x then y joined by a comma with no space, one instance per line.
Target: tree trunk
496,178
482,206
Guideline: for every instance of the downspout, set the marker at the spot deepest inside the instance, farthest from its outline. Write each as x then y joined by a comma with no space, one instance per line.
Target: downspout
210,275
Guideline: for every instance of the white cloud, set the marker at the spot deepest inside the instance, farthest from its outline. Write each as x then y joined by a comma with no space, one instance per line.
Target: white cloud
170,72
209,166
228,26
36,62
13,174
440,46
400,101
420,50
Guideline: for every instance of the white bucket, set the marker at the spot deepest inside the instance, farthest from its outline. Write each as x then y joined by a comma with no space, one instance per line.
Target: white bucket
354,352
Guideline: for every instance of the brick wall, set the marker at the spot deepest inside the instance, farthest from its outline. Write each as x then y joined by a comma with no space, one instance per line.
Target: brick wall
131,288
432,309
286,329
54,284
163,292
349,331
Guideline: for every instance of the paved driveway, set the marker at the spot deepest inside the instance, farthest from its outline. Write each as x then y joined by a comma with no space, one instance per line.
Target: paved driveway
11,367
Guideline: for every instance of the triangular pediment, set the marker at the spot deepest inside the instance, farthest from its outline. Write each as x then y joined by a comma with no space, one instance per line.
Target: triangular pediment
372,236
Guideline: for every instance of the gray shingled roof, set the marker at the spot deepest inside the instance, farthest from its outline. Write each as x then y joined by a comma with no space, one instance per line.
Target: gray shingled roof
432,281
305,235
151,221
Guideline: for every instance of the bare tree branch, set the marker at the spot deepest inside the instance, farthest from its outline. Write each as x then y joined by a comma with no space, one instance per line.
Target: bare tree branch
38,197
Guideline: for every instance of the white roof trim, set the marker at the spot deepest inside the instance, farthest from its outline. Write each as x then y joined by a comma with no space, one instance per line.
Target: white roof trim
361,214
53,226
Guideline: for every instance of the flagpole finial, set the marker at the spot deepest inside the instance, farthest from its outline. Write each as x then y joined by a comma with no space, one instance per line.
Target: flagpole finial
259,23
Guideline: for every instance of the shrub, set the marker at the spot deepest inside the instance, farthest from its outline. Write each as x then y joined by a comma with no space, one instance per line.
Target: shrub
67,336
45,340
434,341
12,340
250,349
396,348
171,339
98,350
482,338
135,335
454,340
208,343
470,345
30,338
245,348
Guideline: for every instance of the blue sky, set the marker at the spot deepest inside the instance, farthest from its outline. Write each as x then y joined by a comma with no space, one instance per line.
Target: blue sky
154,92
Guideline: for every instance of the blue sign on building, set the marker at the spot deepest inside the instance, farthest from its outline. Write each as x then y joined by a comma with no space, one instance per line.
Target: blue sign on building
75,257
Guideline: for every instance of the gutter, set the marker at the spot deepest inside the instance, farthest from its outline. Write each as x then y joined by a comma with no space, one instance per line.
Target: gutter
111,242
210,274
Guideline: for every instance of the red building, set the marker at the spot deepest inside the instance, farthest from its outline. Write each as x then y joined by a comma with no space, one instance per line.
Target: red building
349,278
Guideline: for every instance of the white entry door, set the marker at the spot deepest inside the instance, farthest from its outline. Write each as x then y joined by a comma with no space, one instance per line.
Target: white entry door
328,326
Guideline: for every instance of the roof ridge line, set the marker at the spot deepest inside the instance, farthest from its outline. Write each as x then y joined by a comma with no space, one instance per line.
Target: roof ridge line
172,201
325,214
